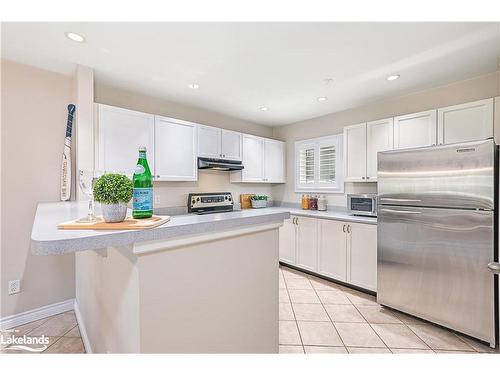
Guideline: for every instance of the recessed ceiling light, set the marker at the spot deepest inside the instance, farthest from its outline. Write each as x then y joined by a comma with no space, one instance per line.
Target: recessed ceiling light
264,109
328,81
322,99
393,77
75,37
194,86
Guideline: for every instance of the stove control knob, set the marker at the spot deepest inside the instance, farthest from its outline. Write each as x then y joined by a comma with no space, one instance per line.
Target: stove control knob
193,201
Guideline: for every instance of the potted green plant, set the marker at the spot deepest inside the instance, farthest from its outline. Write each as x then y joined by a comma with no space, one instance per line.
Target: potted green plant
259,201
113,191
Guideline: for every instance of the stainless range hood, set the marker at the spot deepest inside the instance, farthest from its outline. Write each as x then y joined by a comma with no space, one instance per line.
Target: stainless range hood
219,164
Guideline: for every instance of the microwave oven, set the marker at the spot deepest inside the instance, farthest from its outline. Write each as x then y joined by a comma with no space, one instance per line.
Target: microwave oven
362,204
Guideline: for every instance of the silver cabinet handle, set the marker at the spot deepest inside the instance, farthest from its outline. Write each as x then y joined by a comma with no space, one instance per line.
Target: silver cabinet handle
293,220
367,178
399,211
348,229
343,228
494,267
297,220
363,177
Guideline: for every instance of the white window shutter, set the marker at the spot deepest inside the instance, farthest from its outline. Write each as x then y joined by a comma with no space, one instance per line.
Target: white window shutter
306,165
318,165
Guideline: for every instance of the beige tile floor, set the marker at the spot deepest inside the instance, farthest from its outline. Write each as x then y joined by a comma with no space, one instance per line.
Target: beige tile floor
317,316
62,331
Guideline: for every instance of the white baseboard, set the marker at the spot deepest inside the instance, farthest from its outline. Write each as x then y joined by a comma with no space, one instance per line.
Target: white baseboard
83,331
42,312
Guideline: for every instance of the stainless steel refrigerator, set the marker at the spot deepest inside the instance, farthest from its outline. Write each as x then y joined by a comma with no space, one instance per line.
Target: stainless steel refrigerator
436,235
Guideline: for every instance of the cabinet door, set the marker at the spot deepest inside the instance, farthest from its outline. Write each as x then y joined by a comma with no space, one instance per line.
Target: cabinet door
307,243
231,145
466,122
209,142
415,130
274,161
355,153
332,249
379,137
175,150
287,241
120,134
253,159
362,255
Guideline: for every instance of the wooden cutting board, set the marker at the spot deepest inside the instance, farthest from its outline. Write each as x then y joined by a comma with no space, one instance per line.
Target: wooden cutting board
128,224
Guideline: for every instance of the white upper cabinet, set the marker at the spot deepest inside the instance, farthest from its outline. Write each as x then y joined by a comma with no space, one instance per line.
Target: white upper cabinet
209,142
231,145
218,143
379,137
253,159
415,130
263,161
120,133
274,161
355,152
175,150
465,122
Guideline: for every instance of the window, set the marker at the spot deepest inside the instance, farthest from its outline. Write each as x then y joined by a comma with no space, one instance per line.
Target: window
318,165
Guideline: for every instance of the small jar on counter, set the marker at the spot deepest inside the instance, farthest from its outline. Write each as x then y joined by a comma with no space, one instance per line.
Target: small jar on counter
313,203
322,203
304,202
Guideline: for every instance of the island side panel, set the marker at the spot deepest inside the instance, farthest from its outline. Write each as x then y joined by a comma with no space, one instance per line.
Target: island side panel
219,296
107,297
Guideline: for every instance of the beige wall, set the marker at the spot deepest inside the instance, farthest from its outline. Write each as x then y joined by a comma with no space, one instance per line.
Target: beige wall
175,193
33,119
482,87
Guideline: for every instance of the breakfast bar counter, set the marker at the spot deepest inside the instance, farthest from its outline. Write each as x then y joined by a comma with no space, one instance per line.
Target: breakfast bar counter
196,284
46,239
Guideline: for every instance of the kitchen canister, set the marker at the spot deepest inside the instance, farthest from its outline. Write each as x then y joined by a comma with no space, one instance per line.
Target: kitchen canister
321,203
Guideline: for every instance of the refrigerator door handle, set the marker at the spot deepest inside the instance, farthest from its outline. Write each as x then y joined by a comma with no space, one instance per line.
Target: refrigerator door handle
398,211
494,267
400,200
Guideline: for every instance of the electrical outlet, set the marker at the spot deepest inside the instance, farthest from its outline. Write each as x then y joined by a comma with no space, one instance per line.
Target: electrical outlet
14,286
157,199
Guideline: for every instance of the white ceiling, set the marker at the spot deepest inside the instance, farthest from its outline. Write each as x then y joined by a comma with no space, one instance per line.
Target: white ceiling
241,67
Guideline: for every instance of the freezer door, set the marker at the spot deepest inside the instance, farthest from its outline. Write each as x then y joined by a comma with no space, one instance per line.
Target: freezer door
433,263
460,176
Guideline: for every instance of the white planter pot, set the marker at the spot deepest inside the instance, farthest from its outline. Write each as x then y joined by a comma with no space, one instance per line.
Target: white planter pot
114,213
259,204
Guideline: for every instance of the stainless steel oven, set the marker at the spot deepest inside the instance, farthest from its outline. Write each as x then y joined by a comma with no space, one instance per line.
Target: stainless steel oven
362,204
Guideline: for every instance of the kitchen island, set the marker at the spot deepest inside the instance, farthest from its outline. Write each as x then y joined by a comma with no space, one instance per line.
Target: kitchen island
197,284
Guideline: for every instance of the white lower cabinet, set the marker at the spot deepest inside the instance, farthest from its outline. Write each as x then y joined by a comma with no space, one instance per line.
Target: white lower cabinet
362,255
332,250
340,250
287,241
307,243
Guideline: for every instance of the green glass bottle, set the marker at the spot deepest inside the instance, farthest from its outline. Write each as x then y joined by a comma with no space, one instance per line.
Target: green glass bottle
142,203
